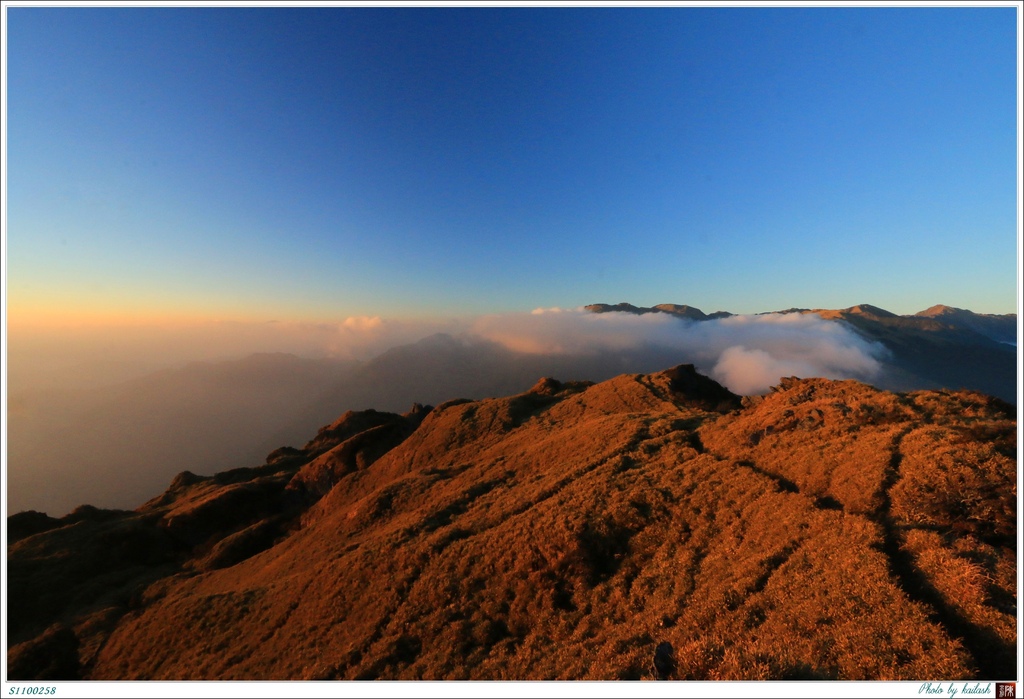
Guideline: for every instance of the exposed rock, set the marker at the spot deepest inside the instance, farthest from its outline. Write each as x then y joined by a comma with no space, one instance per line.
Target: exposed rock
664,664
693,388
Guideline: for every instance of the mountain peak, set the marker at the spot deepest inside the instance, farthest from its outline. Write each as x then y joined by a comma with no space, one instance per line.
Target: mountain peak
621,307
938,310
674,309
868,309
1001,328
683,311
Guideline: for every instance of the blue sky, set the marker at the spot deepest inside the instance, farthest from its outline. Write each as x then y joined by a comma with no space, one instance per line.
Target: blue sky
318,163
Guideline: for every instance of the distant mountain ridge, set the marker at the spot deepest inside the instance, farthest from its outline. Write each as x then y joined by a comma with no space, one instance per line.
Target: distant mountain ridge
681,311
940,347
999,327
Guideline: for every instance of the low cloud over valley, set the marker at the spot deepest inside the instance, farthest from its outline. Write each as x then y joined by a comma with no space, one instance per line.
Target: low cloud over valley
747,354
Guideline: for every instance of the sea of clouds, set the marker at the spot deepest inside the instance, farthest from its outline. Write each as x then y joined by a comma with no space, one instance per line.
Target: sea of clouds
746,353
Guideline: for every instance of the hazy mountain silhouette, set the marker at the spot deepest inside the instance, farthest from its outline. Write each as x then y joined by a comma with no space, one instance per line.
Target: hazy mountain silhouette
652,525
114,446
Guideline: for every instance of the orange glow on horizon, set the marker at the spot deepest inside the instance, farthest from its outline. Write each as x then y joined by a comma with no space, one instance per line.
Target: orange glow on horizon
51,316
46,317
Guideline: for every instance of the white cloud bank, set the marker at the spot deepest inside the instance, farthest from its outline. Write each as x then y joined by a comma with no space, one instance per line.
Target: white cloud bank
747,354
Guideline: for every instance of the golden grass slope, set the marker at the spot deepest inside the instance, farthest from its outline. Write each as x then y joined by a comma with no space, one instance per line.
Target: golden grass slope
826,531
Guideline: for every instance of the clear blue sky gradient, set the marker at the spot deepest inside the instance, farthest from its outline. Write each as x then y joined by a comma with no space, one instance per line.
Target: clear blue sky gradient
319,163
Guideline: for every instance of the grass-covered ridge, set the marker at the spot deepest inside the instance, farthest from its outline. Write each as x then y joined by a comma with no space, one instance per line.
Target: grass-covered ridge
827,531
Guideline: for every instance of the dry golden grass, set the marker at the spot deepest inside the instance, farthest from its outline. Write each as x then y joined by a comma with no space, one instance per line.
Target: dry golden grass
565,533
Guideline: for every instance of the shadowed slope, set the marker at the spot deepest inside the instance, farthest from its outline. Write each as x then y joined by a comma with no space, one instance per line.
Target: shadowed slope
940,349
1002,328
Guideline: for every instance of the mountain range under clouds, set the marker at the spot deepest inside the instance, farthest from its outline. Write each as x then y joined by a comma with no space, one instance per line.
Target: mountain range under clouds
940,347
